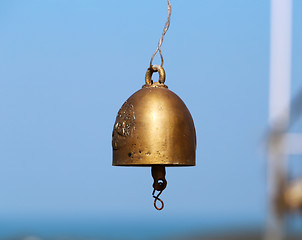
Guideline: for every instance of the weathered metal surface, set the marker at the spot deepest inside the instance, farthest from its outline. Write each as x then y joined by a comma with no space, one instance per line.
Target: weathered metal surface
154,127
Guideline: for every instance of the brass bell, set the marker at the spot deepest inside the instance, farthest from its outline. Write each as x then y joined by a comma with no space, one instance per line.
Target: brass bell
154,128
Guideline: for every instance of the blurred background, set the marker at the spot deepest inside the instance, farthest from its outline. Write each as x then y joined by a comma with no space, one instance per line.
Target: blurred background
66,67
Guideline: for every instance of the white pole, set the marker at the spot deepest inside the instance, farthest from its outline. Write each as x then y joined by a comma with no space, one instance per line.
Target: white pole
280,62
279,104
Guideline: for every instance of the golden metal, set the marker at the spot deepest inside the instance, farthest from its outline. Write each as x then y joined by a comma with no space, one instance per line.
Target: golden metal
154,127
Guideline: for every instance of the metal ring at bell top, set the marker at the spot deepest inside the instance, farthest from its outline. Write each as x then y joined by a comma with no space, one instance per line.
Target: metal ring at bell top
151,70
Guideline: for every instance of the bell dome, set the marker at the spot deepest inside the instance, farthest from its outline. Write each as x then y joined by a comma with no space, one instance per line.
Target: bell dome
154,127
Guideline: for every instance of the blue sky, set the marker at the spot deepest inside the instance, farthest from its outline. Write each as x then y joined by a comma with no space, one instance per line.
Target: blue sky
66,67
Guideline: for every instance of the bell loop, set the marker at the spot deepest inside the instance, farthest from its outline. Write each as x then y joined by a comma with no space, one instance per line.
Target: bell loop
161,78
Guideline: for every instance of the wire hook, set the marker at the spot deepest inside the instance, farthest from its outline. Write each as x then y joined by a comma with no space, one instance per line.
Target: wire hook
160,183
156,198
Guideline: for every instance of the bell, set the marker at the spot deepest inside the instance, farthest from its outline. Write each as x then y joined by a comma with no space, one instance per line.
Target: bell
154,128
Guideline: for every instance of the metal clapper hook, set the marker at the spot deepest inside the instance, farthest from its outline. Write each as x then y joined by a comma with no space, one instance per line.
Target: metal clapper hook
156,198
160,183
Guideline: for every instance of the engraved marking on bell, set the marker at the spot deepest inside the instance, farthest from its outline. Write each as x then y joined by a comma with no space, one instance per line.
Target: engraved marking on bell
124,125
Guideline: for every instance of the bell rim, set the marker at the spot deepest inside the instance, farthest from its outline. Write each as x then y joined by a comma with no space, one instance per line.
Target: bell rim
150,165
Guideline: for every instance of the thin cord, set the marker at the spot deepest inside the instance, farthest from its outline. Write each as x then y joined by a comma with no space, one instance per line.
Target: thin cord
160,42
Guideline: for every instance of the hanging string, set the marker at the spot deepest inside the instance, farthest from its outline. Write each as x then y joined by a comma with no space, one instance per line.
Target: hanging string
160,42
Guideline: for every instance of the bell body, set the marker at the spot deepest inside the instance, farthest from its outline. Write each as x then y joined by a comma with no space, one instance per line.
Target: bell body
154,127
